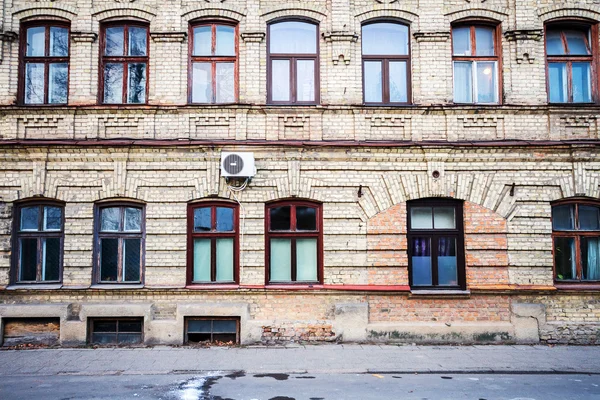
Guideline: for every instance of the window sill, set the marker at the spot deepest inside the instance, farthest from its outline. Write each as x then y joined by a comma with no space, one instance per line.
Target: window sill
577,286
293,286
441,293
216,286
29,286
118,286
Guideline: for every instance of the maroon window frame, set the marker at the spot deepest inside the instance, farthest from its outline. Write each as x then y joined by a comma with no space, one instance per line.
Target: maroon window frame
292,234
435,235
39,234
123,59
46,59
293,58
213,234
213,59
591,31
577,235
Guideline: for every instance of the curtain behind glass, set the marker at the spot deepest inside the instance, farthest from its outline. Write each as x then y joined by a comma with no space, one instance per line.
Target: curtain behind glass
593,259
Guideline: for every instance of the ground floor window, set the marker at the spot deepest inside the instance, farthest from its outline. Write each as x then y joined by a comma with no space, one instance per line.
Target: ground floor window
116,331
220,331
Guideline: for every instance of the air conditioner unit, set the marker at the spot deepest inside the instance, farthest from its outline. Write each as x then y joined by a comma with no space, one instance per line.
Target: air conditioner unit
238,165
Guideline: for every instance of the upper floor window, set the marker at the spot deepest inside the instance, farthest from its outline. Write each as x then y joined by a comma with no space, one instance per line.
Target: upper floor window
213,63
570,56
293,63
124,63
44,75
386,63
213,242
475,59
576,237
120,232
38,242
294,242
436,256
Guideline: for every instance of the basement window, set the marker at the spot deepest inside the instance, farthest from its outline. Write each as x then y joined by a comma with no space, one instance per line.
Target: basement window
220,331
116,331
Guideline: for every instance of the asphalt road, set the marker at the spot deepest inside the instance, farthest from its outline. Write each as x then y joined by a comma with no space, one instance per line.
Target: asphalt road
240,386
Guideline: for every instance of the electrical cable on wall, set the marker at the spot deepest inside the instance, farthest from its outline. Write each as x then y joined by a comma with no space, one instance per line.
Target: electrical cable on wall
234,190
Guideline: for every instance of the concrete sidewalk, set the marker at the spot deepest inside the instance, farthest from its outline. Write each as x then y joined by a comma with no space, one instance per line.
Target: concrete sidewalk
300,359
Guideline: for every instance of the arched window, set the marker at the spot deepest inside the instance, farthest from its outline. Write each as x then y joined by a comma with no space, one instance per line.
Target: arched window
38,241
294,242
213,62
571,53
119,246
293,63
213,242
44,61
576,238
436,255
386,63
476,49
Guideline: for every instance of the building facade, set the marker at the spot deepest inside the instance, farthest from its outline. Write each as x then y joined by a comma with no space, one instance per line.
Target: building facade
426,171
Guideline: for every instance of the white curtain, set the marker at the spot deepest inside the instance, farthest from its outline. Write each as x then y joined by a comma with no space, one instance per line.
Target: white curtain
593,259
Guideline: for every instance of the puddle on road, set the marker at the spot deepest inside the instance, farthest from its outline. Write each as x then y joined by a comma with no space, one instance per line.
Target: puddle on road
279,377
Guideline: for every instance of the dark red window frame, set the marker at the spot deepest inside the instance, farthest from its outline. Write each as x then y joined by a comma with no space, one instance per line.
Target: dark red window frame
213,59
124,59
293,234
46,59
293,58
39,234
213,235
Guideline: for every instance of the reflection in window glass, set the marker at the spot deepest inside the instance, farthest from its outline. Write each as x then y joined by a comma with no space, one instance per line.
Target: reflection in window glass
398,80
280,75
225,83
461,41
421,218
224,219
36,42
563,217
486,82
113,83
385,39
443,218
463,82
133,219
280,218
484,41
421,262
564,258
137,41
589,218
202,41
202,219
34,83
557,82
293,37
29,218
582,84
57,83
201,81
373,82
136,92
577,43
305,80
554,43
306,218
225,45
59,42
115,41
52,218
110,219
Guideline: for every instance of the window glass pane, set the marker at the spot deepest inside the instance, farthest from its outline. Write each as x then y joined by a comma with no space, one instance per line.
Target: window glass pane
280,80
484,41
421,218
280,218
202,41
115,41
137,41
225,41
199,326
50,259
225,83
113,83
563,217
220,326
202,260
447,270
225,260
202,219
577,43
557,82
281,260
461,41
589,218
582,84
554,43
57,83
421,262
306,218
52,218
306,260
564,258
590,258
131,260
385,39
463,82
105,326
398,90
110,219
373,84
36,42
305,82
28,259
30,218
129,338
293,37
444,218
486,82
202,83
109,259
34,83
59,42
224,219
136,90
133,219
104,338
130,326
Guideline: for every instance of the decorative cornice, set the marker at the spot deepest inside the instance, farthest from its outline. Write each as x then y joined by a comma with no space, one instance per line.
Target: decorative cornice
168,36
8,36
253,37
340,36
524,34
83,37
341,45
431,36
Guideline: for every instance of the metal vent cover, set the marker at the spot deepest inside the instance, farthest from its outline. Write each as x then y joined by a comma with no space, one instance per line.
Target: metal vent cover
233,164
